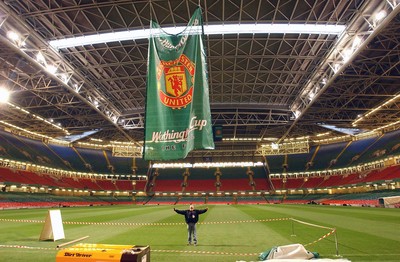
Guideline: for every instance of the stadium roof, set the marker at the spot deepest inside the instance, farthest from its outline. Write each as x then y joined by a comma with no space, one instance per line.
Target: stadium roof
265,86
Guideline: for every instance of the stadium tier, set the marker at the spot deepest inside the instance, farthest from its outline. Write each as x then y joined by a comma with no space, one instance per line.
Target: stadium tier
298,162
326,155
226,185
70,156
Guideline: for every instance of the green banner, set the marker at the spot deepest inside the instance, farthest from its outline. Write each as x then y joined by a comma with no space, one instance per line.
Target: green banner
178,118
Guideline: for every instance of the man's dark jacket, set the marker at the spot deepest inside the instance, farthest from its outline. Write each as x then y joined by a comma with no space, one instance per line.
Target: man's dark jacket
191,216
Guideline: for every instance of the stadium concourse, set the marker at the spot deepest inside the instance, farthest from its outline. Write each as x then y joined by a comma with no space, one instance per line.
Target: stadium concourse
303,102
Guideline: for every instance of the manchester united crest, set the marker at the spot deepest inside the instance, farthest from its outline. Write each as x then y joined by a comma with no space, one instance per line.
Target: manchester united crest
178,76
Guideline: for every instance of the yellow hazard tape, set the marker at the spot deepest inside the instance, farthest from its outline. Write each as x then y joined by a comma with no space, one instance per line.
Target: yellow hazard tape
145,224
153,250
333,230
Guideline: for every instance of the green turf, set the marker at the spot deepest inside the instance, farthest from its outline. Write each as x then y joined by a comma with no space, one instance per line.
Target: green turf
363,234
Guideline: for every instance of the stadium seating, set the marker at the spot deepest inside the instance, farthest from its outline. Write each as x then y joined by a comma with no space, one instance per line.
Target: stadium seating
200,180
168,185
326,155
95,158
201,185
9,175
278,183
294,183
353,151
70,156
106,184
121,165
313,182
15,153
124,185
140,185
298,162
382,147
275,163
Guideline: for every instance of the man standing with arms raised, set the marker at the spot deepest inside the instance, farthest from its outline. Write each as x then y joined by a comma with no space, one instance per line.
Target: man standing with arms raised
191,218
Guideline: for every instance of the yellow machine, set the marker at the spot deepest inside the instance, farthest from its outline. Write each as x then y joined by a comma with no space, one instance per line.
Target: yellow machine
104,253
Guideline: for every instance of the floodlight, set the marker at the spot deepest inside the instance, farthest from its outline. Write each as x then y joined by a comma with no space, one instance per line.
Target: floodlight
4,95
379,16
12,36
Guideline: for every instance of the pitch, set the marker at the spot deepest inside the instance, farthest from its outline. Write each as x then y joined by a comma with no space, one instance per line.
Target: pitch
225,232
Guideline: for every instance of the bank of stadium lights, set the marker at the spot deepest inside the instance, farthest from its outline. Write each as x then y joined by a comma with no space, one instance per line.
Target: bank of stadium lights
290,145
362,117
93,145
24,130
4,95
333,139
122,143
58,126
296,113
383,127
274,146
242,139
172,165
125,144
227,164
226,29
114,118
96,104
346,53
77,87
343,55
373,132
206,165
40,58
323,134
48,66
312,94
273,139
16,38
378,17
49,122
298,139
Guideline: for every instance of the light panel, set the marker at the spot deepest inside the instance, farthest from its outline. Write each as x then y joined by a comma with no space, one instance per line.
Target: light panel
208,30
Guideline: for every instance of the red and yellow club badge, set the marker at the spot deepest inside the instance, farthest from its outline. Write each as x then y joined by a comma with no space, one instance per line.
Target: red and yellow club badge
178,92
